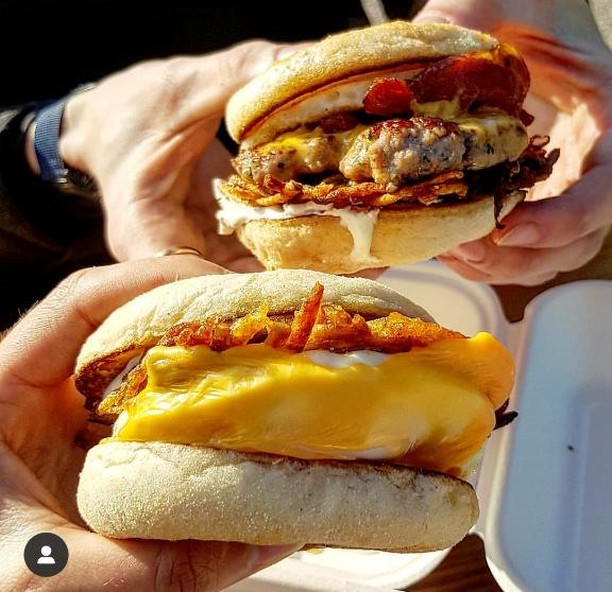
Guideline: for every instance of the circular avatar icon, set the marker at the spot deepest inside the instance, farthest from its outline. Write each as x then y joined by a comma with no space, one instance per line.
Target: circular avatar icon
46,554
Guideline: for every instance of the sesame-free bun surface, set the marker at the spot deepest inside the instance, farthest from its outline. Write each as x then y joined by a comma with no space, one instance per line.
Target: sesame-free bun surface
278,98
140,323
400,236
172,491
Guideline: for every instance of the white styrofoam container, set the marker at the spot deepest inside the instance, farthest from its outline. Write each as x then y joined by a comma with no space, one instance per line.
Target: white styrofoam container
545,484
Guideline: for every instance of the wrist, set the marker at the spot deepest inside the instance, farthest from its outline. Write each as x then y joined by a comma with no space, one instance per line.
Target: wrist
44,154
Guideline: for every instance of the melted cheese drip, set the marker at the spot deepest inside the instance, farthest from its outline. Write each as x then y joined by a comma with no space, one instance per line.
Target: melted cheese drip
421,405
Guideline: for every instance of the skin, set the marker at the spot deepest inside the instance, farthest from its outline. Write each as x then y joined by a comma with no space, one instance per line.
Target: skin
565,219
147,136
43,439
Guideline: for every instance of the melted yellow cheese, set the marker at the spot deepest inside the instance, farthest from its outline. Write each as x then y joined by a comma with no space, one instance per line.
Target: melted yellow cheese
299,140
433,405
449,110
493,136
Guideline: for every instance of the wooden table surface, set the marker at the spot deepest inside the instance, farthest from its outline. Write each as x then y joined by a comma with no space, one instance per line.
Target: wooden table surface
465,569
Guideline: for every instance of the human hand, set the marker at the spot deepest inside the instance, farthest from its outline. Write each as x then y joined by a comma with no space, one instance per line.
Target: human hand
147,136
43,431
565,218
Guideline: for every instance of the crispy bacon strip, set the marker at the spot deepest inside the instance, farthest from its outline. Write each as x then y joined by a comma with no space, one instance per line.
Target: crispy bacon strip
533,165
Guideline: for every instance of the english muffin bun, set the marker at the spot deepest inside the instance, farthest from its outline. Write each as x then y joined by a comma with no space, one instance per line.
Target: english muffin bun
234,398
164,491
397,237
400,125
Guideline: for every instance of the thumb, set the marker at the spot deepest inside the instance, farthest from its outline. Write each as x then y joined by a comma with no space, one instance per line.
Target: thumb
162,565
98,563
221,74
433,12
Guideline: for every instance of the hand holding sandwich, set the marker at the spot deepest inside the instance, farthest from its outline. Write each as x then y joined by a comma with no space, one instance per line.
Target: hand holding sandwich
146,135
283,406
43,436
570,98
380,146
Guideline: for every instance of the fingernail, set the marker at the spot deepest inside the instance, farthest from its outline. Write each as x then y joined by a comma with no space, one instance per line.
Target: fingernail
287,50
278,53
520,236
284,52
474,252
431,17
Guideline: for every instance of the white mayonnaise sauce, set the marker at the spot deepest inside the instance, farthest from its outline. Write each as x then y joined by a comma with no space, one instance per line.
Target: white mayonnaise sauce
336,360
233,214
114,385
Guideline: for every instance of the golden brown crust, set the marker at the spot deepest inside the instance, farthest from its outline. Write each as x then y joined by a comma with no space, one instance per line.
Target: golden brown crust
350,54
400,236
169,491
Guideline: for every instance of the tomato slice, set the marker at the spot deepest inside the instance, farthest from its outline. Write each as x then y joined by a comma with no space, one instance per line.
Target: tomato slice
496,79
388,97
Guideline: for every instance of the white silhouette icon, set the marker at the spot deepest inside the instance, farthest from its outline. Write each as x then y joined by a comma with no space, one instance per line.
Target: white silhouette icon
45,557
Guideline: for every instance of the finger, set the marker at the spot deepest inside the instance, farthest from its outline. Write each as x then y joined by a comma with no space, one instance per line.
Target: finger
155,565
469,272
165,222
484,261
159,225
459,13
41,349
219,75
98,563
190,565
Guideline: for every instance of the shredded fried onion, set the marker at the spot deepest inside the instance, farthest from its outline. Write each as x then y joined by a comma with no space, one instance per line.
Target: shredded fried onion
315,325
338,193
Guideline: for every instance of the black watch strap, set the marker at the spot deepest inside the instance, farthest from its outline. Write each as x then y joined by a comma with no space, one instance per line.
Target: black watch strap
53,169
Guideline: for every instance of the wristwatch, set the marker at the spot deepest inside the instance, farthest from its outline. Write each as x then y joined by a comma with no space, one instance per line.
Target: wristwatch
53,169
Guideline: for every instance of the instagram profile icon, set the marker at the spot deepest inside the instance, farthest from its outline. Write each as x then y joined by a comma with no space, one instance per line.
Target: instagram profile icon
46,554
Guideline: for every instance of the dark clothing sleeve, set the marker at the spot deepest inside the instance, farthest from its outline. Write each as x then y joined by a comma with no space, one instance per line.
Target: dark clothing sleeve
44,234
